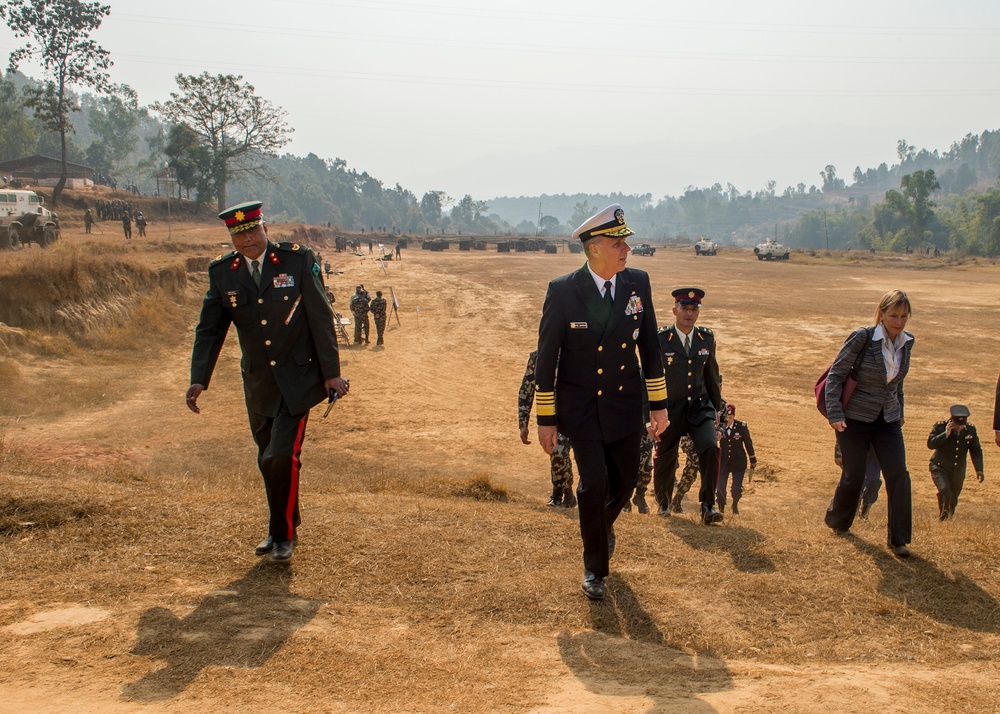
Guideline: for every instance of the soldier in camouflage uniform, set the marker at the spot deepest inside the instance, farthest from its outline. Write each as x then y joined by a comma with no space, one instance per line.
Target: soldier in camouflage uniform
378,309
360,309
562,468
689,475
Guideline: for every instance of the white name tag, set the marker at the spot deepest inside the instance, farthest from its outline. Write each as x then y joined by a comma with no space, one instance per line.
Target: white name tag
578,325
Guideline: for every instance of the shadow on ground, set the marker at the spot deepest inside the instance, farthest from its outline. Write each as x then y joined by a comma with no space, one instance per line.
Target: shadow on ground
626,655
921,585
241,625
741,544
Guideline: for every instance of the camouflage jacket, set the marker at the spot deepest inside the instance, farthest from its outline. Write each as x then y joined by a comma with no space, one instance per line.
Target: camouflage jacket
378,307
359,304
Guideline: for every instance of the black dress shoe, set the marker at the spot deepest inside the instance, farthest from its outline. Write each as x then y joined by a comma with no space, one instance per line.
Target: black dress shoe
710,515
264,547
611,541
282,552
901,551
593,586
663,511
843,532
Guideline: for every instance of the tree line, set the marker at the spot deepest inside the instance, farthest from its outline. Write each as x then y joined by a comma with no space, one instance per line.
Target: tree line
220,142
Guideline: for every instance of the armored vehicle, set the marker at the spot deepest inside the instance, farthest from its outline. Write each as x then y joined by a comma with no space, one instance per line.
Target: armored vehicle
704,246
24,219
643,249
771,250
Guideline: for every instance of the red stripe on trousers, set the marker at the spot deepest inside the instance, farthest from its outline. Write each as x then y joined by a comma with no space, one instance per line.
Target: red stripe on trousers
293,487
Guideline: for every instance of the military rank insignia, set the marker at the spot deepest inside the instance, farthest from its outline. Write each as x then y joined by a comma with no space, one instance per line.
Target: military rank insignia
634,305
284,280
316,269
274,258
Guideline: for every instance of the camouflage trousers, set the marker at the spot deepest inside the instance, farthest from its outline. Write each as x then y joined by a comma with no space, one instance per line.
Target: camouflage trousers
645,463
646,466
690,468
562,467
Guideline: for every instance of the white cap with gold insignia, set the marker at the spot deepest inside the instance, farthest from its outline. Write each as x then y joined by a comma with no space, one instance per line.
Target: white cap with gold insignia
609,222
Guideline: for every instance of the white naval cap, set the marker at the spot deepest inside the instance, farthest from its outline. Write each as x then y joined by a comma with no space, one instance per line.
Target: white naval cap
609,222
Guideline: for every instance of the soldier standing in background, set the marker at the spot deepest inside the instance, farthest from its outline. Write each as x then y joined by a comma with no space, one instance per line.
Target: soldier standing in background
561,467
953,440
127,226
140,223
378,310
88,220
359,308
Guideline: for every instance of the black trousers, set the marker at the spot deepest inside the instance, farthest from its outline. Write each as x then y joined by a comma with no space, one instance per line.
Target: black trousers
949,485
279,445
665,464
608,472
887,441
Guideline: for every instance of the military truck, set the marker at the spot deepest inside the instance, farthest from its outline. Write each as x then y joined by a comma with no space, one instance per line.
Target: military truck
643,249
771,250
704,246
23,219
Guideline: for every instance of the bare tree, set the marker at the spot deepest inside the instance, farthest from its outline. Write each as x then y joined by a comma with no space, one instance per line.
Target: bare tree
237,127
58,33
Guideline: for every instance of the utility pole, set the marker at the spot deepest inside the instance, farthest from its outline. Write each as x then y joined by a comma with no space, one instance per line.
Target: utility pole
826,228
538,223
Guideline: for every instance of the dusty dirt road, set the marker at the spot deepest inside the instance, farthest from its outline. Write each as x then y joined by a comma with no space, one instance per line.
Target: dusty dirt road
431,577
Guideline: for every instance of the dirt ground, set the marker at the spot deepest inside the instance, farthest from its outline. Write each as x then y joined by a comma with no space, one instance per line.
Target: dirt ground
430,577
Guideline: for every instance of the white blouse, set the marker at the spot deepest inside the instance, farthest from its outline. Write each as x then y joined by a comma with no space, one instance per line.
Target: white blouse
892,350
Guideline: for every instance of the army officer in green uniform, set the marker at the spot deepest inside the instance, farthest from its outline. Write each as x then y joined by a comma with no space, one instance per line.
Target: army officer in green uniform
953,440
273,294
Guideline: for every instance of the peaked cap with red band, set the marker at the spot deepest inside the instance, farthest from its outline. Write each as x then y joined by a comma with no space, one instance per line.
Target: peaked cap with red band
688,296
243,217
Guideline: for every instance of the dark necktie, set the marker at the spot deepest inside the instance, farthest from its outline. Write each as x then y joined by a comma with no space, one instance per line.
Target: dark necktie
687,344
255,264
608,298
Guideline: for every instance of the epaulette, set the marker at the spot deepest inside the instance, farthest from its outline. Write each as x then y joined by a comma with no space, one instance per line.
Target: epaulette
291,247
706,330
223,257
664,329
943,421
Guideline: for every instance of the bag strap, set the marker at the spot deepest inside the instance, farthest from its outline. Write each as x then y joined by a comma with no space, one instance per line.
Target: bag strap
861,353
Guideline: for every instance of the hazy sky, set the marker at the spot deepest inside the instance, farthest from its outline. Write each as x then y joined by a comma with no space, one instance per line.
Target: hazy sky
521,98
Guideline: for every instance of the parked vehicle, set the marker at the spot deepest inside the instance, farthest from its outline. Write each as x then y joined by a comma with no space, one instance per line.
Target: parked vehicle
704,246
24,219
643,249
771,250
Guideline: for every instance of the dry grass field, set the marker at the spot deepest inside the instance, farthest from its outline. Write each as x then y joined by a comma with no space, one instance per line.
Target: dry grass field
429,575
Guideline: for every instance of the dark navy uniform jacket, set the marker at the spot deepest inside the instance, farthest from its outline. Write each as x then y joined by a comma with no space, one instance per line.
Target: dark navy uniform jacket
693,382
734,447
285,328
599,391
950,451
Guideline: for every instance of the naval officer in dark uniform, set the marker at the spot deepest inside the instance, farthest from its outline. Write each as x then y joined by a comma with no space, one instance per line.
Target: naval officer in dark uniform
594,321
272,292
695,388
953,441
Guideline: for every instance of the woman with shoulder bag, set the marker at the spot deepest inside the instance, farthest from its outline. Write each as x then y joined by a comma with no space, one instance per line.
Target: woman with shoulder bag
873,417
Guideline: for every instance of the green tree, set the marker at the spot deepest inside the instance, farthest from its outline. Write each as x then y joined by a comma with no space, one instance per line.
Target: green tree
237,127
20,134
114,120
190,161
431,206
58,33
581,212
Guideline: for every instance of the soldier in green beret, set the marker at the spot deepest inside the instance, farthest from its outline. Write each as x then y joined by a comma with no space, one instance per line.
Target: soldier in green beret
272,292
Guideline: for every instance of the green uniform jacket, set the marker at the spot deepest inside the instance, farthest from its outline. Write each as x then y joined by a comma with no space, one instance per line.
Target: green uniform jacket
285,329
693,381
950,451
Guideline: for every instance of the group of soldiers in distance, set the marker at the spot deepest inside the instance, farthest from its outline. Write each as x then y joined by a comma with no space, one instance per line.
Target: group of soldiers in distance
362,304
122,212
